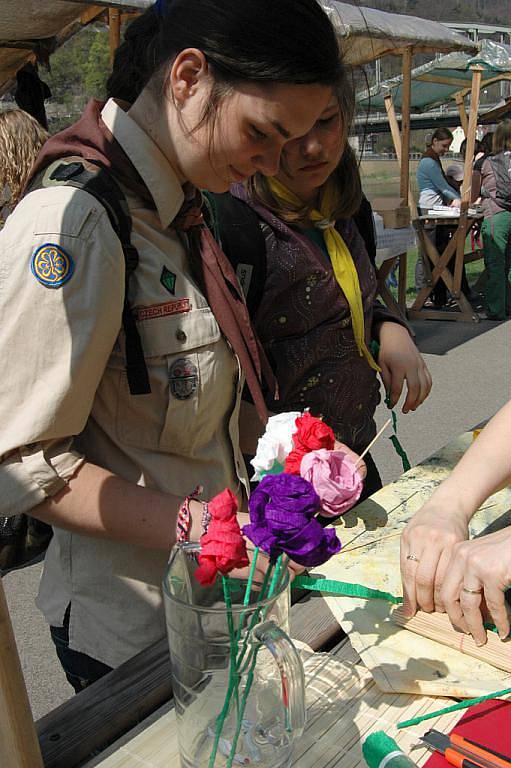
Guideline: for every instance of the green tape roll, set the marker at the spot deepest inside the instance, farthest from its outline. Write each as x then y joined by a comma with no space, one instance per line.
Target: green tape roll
380,751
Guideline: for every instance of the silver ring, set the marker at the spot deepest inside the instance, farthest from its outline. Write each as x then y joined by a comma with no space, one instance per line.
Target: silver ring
472,591
413,557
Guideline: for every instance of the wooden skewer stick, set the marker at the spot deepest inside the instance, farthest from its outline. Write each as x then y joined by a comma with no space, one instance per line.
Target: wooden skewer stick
375,438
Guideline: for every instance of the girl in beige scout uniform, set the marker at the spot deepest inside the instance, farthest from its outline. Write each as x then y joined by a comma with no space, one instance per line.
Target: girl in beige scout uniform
215,89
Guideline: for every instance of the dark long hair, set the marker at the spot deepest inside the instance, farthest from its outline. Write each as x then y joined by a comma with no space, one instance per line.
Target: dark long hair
346,176
286,41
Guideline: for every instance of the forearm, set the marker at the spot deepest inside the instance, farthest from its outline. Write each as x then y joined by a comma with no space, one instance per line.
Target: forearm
100,504
483,470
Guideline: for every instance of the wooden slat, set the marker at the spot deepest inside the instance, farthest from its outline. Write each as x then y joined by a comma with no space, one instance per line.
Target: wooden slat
18,740
113,705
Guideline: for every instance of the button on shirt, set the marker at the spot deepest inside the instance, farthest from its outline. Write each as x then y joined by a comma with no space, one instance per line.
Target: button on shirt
66,398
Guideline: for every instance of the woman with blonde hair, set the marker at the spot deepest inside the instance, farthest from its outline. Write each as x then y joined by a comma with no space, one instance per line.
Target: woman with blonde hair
21,138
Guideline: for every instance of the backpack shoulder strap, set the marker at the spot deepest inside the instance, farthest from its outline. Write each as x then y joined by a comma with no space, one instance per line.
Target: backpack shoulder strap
239,231
97,180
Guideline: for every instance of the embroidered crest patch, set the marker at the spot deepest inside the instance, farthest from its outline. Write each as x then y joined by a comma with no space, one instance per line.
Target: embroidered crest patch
183,378
168,280
51,265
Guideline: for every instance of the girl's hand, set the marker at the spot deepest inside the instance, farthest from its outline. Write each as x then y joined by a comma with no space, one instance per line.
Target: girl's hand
362,469
427,546
478,575
400,360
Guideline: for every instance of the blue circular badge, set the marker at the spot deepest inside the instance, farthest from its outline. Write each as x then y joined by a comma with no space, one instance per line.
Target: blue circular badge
51,265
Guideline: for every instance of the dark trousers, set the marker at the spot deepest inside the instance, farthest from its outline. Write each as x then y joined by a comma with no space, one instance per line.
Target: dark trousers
496,233
81,670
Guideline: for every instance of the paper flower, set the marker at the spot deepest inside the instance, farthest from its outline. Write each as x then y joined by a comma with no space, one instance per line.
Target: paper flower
222,546
335,478
276,443
311,434
282,510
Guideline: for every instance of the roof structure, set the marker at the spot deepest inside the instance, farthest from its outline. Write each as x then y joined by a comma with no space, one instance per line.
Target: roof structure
441,80
34,28
367,34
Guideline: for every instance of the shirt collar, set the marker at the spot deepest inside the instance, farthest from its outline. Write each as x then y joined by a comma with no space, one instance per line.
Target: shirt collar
150,162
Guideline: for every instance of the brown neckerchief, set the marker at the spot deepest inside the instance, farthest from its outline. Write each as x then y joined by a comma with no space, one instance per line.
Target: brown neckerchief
91,139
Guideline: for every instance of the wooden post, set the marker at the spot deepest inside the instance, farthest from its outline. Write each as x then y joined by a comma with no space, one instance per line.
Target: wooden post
466,189
396,138
19,747
114,24
405,124
460,101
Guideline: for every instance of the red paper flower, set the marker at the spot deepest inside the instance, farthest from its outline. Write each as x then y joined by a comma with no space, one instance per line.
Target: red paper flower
311,434
223,547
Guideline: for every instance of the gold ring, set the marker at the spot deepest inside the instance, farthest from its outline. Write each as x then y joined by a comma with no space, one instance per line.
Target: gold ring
472,591
413,557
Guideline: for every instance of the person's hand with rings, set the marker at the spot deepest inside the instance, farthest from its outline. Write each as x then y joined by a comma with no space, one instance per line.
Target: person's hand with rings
438,565
427,544
475,583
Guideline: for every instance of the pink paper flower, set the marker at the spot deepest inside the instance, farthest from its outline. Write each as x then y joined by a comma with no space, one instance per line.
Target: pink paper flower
335,478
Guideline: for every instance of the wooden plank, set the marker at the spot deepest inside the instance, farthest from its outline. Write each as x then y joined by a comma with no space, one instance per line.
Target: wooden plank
18,739
460,102
114,27
116,703
405,125
401,281
396,138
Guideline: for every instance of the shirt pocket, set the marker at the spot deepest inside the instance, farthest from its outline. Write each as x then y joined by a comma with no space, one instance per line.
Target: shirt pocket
175,417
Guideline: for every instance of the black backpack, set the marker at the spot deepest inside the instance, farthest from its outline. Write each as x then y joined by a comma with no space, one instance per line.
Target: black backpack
501,166
241,233
24,539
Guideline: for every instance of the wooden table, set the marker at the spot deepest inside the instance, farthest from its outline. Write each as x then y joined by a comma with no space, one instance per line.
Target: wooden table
391,250
436,267
132,692
133,702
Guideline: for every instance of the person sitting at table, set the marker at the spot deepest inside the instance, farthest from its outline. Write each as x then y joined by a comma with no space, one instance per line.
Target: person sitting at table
441,569
434,189
454,175
117,403
315,306
496,227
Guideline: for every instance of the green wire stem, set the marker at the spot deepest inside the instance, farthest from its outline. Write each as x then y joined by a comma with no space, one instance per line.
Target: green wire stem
252,659
461,705
233,674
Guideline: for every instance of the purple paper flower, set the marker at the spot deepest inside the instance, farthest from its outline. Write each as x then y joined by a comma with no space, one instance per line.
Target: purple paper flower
282,510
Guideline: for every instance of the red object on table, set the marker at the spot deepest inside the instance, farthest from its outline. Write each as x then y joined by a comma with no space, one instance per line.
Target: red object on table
487,724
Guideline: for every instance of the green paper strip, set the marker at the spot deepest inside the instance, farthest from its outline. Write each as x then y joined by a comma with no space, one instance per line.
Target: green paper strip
462,705
395,440
343,588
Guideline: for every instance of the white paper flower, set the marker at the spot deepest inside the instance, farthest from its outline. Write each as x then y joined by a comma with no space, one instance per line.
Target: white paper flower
276,443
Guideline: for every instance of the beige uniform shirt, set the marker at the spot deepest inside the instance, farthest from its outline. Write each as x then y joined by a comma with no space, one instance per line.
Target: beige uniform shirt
65,394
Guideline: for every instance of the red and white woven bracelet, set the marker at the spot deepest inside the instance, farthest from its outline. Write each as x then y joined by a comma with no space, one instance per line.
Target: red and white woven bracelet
184,520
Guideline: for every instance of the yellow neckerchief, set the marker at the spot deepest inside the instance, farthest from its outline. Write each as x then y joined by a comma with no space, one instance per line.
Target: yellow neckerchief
342,262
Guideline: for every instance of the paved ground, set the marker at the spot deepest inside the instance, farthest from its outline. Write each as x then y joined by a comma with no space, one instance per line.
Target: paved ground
471,369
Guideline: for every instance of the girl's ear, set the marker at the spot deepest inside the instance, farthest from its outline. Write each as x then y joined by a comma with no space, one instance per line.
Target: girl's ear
188,71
